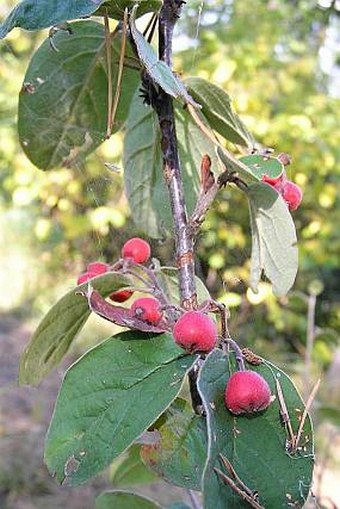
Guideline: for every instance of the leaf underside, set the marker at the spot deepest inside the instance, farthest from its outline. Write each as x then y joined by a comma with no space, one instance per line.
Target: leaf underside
38,14
216,107
274,249
157,69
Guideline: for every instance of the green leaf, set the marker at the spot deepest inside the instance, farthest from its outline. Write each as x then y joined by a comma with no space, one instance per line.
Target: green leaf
260,165
124,500
216,107
142,161
59,328
131,470
143,166
109,398
36,14
274,240
255,446
63,102
168,278
116,9
180,453
157,70
234,165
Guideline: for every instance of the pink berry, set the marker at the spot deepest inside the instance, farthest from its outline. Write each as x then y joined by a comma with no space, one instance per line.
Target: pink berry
85,277
137,249
247,392
292,194
121,295
147,309
195,331
97,267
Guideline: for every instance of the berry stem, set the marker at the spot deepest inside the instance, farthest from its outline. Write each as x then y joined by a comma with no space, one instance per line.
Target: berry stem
129,270
226,335
159,293
163,105
238,354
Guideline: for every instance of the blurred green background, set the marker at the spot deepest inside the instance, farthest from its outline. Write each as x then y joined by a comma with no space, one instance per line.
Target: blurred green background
280,62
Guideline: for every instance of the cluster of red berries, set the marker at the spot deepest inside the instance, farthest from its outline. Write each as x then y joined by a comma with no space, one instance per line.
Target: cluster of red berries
194,331
136,249
246,391
290,192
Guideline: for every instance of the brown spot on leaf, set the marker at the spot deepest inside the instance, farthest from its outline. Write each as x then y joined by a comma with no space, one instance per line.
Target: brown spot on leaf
71,466
27,88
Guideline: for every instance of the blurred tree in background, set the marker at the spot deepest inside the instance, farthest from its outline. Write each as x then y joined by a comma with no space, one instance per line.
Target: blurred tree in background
280,62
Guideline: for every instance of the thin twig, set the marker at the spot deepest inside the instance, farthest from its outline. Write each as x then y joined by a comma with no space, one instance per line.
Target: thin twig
198,119
309,340
305,413
209,189
193,500
119,75
152,23
202,206
233,485
284,413
233,473
109,72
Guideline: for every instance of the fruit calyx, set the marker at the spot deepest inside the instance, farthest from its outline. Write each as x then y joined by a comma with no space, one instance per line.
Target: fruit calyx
147,309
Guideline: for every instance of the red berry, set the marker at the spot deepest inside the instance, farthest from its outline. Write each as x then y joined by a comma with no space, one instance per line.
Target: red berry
121,295
195,331
292,194
273,181
97,267
85,277
247,392
147,309
137,249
